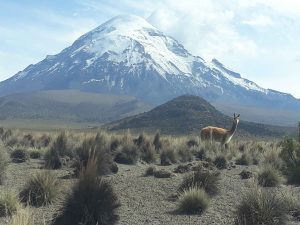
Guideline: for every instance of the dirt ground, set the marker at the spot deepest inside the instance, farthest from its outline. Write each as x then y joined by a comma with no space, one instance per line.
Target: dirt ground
146,200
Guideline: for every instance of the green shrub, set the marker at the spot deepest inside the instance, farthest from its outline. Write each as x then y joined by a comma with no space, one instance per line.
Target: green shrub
290,155
19,155
207,180
261,207
92,200
193,201
168,156
220,162
40,190
269,177
53,159
9,204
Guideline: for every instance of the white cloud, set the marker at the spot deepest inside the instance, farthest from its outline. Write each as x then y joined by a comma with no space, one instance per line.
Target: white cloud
259,21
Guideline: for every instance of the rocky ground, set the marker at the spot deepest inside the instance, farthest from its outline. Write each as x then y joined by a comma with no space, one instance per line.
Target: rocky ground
146,199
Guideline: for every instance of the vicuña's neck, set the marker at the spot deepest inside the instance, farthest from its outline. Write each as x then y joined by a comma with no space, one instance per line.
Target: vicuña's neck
233,128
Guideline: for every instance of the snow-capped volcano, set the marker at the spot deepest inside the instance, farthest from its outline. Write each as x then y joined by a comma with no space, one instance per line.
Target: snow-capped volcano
127,55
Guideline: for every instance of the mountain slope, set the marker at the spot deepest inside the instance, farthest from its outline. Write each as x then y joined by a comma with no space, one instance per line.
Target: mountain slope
188,114
69,106
128,56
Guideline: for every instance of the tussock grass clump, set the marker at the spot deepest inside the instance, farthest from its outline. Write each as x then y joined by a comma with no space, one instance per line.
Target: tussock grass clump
269,177
150,171
182,168
19,155
44,141
245,174
193,201
207,180
261,207
3,164
148,153
192,143
23,216
220,162
9,204
6,134
244,160
185,154
157,142
60,148
290,155
101,148
28,140
162,174
92,200
40,190
168,156
128,153
35,154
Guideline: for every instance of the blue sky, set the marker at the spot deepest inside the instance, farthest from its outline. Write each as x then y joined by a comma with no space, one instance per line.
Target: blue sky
257,38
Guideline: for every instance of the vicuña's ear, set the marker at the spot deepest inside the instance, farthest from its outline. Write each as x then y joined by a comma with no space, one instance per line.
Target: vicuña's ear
234,115
238,115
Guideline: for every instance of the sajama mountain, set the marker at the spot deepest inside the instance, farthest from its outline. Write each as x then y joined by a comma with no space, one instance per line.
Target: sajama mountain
128,56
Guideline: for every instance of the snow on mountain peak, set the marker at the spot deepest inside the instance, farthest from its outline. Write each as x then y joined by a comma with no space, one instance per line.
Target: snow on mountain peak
132,40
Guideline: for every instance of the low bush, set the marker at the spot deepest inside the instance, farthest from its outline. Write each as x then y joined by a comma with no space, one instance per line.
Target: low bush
193,201
40,190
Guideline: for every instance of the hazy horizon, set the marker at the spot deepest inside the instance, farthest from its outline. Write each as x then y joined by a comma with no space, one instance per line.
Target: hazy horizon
259,40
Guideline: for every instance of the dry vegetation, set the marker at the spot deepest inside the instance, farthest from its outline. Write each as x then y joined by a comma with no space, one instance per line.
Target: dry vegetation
108,178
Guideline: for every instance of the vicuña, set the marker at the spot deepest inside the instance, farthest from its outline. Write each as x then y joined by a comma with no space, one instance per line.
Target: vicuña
218,134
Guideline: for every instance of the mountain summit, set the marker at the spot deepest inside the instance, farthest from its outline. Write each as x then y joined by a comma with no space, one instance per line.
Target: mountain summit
128,56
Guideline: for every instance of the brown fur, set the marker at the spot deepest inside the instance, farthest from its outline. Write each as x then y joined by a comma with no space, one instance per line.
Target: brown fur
218,134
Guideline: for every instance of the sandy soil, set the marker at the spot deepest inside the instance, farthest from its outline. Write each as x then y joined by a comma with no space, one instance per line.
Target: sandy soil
146,200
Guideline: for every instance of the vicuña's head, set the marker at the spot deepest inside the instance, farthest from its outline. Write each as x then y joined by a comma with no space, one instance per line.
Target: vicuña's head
236,119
